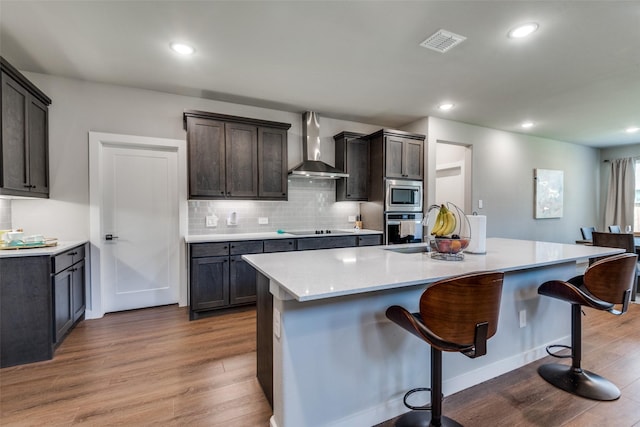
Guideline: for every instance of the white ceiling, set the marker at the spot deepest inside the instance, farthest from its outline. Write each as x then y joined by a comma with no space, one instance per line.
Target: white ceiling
577,77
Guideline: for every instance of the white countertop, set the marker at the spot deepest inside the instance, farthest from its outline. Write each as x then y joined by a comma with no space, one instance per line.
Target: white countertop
313,275
206,238
53,250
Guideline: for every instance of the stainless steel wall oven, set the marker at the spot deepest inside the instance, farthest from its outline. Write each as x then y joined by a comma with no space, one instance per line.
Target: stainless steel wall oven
403,228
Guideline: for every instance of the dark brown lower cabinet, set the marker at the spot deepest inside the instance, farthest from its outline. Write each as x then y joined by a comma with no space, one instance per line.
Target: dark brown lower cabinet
209,283
243,277
221,281
219,278
41,299
62,304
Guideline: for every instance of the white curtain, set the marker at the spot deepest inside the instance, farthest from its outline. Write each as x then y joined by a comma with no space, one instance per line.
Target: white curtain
621,194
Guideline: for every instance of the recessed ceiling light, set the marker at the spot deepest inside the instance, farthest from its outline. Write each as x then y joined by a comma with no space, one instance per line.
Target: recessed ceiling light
526,125
446,106
632,129
183,49
523,30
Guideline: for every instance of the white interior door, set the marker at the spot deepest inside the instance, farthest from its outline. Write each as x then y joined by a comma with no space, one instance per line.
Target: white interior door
140,221
450,184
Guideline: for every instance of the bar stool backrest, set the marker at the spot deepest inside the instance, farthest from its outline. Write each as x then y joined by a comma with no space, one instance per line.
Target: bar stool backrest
609,278
452,308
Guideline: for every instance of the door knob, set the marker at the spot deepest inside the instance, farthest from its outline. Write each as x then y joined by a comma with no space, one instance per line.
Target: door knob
110,237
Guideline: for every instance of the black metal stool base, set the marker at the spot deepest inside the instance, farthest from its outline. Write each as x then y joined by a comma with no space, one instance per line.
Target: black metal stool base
423,419
581,383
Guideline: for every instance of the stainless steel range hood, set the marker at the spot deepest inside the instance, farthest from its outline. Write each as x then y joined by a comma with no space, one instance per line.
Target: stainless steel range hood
312,166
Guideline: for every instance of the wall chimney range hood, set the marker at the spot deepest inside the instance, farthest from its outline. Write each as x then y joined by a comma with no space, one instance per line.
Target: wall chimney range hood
312,166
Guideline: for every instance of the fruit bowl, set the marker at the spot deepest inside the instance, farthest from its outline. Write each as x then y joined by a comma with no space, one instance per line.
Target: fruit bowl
449,231
446,245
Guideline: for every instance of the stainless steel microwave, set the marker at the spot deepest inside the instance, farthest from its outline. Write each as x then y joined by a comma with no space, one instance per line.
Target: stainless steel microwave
403,196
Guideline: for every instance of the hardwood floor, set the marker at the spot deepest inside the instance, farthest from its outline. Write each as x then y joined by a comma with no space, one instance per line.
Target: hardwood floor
143,367
154,367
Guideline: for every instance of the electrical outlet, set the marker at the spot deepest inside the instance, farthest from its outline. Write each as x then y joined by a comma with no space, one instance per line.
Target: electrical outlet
523,318
263,220
211,221
351,218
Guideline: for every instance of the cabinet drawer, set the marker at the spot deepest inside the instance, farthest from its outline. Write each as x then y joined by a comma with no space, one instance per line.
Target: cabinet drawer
67,259
326,242
373,240
280,245
246,247
199,250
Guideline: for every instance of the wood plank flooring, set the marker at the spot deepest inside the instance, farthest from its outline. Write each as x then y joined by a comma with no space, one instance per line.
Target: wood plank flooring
154,367
143,367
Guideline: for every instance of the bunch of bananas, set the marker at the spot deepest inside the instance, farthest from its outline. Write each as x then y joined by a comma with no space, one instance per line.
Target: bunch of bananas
445,222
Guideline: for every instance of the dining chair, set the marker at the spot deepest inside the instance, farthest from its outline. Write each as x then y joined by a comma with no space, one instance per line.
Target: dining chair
614,229
587,232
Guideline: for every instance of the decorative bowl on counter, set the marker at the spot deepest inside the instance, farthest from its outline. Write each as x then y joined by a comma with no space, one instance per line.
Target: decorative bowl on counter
449,231
448,245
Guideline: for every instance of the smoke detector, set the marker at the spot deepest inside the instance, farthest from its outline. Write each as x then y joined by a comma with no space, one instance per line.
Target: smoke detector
442,40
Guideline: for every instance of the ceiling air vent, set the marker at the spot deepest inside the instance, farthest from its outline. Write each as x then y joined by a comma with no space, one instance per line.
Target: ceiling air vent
442,41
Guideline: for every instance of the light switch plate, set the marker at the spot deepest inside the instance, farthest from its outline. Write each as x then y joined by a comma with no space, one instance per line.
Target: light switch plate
211,221
276,322
263,220
351,218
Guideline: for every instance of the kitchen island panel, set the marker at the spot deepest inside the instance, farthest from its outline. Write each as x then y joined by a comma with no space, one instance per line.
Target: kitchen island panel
25,314
341,362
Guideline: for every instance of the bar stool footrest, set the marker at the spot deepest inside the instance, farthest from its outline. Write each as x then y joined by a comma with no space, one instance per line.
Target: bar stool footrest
579,382
560,356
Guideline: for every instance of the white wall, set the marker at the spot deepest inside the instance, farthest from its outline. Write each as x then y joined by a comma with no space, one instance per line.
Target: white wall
502,176
79,107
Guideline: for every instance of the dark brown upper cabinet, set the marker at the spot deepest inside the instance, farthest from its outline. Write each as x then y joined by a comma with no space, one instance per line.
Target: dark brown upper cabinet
235,157
24,144
399,154
352,157
404,157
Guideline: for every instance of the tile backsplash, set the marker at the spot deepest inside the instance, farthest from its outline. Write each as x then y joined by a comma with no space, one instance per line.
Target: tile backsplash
5,214
312,205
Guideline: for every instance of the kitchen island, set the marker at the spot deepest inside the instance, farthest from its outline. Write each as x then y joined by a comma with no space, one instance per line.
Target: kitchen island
338,361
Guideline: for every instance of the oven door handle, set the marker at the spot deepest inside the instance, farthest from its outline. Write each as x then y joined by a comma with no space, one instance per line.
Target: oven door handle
393,222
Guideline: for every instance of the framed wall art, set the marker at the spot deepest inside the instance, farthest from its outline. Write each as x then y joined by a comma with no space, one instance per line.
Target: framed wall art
548,193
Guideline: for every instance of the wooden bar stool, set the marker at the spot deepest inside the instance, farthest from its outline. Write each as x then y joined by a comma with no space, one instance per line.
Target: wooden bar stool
604,285
457,314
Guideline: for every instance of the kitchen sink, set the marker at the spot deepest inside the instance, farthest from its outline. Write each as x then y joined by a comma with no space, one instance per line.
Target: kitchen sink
409,250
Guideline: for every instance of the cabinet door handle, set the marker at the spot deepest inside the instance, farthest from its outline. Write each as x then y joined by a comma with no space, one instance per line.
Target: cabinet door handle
72,253
110,237
222,192
29,186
